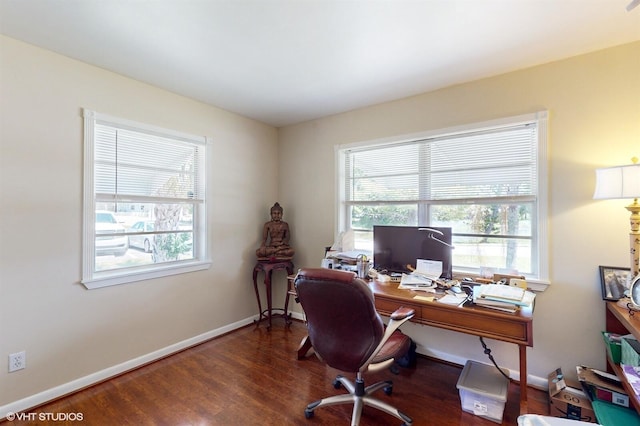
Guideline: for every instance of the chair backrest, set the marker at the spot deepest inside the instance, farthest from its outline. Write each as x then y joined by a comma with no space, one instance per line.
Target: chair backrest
343,325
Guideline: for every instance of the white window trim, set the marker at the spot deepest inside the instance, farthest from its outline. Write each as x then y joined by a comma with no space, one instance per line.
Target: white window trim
92,280
539,284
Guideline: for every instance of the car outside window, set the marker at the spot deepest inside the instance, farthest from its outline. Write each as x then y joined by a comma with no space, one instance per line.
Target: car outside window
144,202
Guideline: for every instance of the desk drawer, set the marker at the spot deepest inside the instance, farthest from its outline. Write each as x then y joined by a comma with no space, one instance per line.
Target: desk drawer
389,306
507,328
514,328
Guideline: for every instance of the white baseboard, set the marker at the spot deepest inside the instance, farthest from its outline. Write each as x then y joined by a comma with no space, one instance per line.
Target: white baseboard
298,316
533,381
99,376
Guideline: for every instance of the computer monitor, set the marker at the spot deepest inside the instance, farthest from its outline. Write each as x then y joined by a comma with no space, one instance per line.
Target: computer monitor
395,247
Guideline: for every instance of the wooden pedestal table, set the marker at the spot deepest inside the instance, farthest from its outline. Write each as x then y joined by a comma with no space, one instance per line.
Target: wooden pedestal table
267,266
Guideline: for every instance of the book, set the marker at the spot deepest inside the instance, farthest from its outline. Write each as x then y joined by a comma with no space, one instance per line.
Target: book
526,301
509,309
502,292
493,304
487,302
480,298
507,294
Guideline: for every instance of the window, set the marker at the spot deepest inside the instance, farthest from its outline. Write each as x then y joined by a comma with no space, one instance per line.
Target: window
486,181
144,202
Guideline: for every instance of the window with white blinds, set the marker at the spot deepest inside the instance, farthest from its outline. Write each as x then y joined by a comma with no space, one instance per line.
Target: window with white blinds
483,180
144,209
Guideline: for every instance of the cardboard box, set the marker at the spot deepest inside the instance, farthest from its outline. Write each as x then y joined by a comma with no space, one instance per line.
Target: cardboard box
568,402
603,386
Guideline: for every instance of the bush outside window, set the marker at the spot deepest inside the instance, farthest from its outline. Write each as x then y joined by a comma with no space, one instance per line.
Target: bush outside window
144,207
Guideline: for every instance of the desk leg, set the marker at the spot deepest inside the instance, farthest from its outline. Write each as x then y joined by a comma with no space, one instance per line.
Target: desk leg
290,290
287,315
523,379
304,348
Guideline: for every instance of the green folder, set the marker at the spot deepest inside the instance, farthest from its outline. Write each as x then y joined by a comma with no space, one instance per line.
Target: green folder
614,415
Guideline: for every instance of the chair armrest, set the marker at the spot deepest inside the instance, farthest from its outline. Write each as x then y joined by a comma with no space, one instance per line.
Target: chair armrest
399,317
402,313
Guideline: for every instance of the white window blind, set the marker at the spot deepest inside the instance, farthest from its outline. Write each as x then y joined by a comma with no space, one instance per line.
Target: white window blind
489,164
145,199
134,166
486,181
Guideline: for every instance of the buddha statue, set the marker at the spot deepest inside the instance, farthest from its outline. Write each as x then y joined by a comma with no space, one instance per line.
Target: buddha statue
275,237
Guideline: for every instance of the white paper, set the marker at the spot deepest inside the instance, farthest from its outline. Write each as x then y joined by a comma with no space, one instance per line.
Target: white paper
417,282
450,299
430,268
413,279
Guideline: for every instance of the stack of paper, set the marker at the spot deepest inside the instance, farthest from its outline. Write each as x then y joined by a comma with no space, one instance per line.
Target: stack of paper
417,282
451,299
502,297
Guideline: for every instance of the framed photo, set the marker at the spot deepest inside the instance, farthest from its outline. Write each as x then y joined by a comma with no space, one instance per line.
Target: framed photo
614,281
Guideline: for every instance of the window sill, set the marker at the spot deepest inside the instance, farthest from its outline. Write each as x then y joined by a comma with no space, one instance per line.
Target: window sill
125,278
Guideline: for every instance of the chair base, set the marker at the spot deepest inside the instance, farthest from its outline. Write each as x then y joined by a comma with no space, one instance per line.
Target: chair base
359,396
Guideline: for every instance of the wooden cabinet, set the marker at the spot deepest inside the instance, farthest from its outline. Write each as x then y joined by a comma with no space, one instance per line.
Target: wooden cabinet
618,320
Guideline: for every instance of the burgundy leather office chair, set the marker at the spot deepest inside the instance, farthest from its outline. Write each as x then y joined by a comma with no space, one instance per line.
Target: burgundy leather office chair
347,333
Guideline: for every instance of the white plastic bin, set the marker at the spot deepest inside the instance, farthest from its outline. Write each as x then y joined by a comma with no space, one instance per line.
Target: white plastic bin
483,390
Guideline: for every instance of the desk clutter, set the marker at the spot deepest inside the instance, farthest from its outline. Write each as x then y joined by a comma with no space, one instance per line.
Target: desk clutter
502,297
497,296
354,260
506,293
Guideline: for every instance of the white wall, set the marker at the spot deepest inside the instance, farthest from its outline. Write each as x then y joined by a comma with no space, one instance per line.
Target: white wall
594,107
69,332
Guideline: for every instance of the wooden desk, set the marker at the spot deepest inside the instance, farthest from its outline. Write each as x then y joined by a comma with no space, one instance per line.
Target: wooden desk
478,321
514,328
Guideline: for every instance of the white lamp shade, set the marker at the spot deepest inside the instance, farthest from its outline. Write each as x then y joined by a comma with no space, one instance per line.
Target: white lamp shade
618,182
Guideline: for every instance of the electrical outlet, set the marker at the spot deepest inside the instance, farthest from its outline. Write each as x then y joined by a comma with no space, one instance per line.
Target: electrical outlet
17,361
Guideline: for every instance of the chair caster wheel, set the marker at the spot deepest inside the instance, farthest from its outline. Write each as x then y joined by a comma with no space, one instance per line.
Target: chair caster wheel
337,384
308,414
388,390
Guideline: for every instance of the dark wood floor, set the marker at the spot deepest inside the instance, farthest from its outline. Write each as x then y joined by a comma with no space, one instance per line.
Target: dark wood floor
251,377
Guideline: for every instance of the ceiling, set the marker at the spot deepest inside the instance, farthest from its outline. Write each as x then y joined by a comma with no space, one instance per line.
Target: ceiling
287,61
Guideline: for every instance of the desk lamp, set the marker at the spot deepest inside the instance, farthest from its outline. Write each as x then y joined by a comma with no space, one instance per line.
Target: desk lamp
623,182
